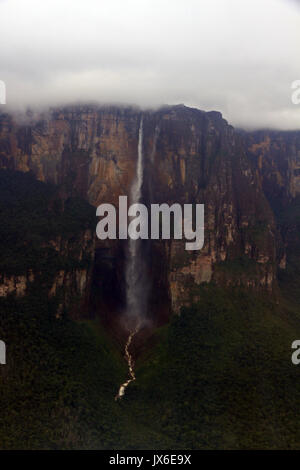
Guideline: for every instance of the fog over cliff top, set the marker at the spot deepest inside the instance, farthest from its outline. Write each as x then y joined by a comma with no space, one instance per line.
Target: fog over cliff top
237,57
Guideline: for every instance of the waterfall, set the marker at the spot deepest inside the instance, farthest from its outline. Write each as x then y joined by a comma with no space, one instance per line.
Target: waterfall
136,188
135,269
135,273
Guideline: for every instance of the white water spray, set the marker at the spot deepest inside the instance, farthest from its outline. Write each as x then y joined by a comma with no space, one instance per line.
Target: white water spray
135,273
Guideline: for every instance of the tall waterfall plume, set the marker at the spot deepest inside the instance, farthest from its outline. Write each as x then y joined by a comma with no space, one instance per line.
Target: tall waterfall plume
135,273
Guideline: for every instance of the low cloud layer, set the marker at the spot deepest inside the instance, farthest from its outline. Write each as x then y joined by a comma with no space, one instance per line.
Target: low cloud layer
238,57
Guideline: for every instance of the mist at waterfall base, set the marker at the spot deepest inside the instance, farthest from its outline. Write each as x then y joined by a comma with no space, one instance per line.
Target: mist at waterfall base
137,287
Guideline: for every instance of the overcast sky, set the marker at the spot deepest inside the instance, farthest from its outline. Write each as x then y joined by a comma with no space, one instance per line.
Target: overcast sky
236,56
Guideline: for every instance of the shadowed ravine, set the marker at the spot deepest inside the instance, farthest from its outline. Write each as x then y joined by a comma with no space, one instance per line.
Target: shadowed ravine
135,274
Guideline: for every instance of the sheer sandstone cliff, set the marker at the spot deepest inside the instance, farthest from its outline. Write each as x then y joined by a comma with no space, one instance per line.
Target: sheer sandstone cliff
190,156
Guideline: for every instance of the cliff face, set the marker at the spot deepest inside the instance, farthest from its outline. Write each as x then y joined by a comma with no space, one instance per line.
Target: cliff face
88,149
197,157
190,157
277,156
69,286
47,244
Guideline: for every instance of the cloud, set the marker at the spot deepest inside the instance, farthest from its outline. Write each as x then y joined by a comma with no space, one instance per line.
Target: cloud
236,57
